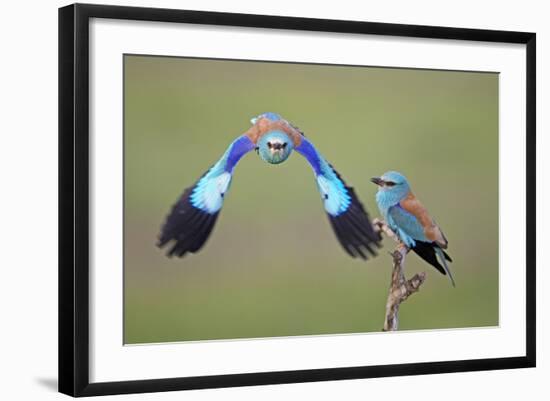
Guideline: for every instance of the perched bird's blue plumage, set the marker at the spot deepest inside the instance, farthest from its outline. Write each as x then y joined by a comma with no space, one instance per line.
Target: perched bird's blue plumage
193,216
410,220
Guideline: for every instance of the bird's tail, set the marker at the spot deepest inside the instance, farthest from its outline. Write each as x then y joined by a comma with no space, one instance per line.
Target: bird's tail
429,251
444,257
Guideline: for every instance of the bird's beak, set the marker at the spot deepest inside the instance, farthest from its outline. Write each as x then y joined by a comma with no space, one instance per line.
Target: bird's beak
377,180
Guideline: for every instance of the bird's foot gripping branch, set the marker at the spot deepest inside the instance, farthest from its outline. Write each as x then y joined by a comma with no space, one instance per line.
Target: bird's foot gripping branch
400,287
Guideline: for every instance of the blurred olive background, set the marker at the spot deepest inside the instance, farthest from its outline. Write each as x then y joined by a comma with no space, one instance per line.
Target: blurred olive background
273,267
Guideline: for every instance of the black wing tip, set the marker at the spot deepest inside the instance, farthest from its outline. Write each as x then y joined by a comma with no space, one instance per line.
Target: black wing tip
186,228
356,235
353,228
427,251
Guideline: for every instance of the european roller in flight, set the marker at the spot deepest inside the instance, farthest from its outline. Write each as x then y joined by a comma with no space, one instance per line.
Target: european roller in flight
409,219
193,216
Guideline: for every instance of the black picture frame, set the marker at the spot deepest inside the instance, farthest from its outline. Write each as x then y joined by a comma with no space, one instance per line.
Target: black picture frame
74,198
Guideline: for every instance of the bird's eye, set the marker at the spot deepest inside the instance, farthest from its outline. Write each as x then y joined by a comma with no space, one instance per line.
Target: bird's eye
269,145
284,145
390,184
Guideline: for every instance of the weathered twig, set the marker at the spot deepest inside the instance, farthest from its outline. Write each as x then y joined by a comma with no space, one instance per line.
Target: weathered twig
400,287
381,226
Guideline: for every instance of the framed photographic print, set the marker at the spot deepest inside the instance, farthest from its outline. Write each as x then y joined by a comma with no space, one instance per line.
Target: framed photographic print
251,199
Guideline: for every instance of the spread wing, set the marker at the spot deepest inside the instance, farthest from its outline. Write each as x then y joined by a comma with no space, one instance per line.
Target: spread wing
348,218
192,218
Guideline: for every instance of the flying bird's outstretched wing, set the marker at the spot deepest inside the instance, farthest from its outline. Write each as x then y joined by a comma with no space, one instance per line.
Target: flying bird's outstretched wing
348,218
194,214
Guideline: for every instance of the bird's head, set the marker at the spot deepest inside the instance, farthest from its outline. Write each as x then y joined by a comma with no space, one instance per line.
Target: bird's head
393,183
275,147
269,115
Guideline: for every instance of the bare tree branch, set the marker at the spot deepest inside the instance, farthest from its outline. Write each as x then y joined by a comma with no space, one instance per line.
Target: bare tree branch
400,287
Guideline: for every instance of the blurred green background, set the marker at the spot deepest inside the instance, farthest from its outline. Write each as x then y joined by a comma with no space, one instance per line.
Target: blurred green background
273,267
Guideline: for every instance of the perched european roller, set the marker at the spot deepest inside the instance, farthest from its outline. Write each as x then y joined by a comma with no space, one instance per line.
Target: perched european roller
410,220
194,214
